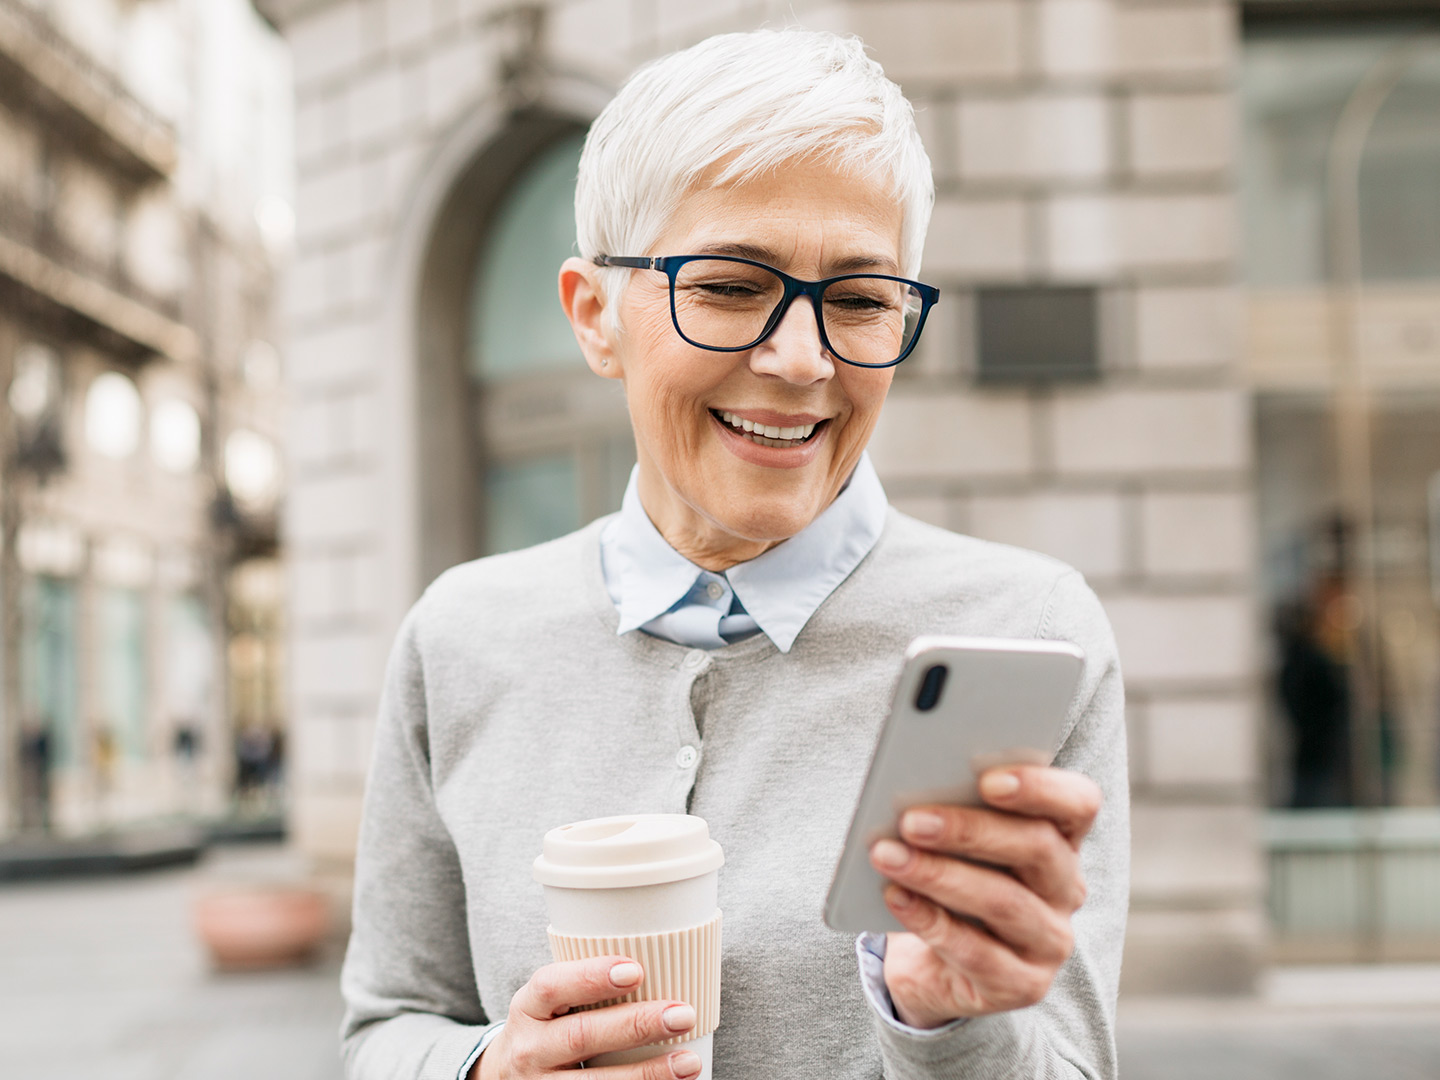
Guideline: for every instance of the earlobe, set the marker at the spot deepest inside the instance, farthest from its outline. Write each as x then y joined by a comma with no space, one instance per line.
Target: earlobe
584,305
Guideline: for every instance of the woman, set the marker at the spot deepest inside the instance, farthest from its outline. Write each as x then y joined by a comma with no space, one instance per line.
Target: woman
727,643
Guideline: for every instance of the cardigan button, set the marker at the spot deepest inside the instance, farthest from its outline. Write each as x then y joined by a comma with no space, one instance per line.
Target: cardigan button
687,756
694,659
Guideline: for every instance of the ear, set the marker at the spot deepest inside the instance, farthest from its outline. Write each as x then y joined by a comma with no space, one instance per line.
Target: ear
584,305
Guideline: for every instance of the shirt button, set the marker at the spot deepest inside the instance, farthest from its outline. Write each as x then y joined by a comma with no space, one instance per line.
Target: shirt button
694,658
686,757
714,590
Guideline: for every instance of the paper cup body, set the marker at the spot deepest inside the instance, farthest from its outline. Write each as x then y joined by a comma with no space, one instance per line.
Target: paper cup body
638,909
644,886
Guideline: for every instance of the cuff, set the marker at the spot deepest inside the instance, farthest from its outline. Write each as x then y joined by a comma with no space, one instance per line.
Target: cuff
870,953
487,1036
1001,1045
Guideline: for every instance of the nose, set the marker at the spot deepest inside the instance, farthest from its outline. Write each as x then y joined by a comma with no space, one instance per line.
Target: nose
794,351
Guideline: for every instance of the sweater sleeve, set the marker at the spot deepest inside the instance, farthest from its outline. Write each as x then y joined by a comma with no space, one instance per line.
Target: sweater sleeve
1070,1034
412,1008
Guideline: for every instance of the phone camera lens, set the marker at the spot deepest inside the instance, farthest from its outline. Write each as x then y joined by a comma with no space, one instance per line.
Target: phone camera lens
930,687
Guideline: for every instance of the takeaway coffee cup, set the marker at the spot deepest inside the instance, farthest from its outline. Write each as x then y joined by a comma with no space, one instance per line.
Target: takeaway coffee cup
644,886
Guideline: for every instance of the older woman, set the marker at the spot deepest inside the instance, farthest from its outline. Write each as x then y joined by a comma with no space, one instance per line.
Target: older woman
748,211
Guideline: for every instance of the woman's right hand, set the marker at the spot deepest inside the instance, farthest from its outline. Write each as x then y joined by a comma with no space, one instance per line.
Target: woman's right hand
543,1034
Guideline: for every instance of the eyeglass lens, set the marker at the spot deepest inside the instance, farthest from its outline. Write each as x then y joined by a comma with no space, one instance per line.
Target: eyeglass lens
727,305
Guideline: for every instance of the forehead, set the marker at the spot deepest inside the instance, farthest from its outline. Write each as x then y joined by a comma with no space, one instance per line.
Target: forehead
802,215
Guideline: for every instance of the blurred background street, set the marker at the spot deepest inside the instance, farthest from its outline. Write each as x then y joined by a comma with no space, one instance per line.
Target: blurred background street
279,343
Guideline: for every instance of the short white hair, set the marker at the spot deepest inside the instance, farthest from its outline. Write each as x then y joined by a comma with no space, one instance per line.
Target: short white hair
736,107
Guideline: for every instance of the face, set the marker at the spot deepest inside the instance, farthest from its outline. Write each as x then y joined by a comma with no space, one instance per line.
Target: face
717,494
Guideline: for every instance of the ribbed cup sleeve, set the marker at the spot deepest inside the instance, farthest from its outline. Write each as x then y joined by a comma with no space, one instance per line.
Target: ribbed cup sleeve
681,965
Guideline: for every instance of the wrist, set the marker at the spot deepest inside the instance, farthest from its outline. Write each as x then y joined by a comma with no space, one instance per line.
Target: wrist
486,1064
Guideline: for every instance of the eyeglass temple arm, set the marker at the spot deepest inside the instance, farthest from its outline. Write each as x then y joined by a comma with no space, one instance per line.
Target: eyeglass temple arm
618,260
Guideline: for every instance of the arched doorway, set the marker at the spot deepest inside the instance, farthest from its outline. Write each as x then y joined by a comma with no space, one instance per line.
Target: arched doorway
553,447
515,440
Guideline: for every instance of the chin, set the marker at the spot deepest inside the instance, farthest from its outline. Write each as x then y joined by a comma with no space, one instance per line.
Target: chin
779,521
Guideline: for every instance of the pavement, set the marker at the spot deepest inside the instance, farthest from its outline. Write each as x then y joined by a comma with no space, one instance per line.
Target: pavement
101,979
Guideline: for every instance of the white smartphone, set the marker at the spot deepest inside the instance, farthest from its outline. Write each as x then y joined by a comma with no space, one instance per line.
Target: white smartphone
962,705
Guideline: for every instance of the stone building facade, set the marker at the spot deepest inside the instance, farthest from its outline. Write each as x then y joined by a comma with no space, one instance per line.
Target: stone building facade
141,402
1082,148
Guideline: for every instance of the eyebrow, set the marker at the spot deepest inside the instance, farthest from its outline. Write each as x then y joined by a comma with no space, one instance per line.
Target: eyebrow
849,264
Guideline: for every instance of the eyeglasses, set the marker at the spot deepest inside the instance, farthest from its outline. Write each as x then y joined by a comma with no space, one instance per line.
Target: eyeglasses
729,304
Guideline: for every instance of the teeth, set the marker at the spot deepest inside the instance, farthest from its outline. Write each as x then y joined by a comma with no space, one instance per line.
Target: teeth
768,434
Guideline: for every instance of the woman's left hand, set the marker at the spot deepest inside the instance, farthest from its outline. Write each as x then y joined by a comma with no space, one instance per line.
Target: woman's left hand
986,938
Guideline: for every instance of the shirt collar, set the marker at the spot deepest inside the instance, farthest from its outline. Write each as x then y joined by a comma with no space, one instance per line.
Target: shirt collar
780,589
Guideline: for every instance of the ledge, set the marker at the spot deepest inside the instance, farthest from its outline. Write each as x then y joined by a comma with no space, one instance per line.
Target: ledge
138,324
76,91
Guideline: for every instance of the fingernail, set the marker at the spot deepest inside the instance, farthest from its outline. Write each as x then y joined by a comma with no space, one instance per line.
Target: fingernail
626,974
679,1017
923,824
901,898
889,854
999,785
685,1064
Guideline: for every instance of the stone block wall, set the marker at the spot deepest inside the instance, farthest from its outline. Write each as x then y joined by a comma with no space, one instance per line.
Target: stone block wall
1090,142
1074,141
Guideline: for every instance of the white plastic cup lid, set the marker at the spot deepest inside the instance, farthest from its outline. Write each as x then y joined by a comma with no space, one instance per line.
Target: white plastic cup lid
625,851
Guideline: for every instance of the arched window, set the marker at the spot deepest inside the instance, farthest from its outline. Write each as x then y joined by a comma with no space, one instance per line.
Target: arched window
553,440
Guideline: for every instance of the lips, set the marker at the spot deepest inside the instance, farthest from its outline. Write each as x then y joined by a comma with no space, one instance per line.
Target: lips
774,435
758,449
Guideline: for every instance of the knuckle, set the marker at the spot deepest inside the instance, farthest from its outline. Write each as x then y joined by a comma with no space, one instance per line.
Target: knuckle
925,870
962,829
577,1033
643,1026
1057,943
1081,892
964,946
1042,843
1008,905
544,985
1065,942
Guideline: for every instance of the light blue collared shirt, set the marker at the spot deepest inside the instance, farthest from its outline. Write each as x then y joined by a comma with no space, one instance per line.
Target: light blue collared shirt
659,591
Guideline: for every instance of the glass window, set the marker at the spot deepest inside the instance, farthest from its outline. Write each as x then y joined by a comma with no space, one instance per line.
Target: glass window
1295,87
530,502
190,664
113,415
48,669
122,667
519,328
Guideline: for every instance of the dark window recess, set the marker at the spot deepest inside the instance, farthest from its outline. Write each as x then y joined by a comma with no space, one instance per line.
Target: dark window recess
1037,334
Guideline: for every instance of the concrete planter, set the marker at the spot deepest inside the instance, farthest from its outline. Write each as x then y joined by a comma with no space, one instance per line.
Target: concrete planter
261,926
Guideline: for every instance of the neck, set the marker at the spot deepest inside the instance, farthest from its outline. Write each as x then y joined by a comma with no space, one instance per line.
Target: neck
700,539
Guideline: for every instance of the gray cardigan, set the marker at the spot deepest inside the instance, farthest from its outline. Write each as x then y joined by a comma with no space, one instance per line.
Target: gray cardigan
511,706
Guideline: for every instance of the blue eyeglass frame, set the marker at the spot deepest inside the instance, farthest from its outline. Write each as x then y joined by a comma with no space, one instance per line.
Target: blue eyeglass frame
670,266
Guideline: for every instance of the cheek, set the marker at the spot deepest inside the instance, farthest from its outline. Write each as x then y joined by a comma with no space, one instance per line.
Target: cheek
866,391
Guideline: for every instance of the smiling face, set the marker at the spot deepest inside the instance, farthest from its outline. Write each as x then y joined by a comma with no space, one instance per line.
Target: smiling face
719,494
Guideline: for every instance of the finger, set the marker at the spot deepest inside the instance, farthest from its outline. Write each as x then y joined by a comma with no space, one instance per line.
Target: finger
557,988
1008,909
680,1065
1069,799
1031,848
581,1035
995,974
